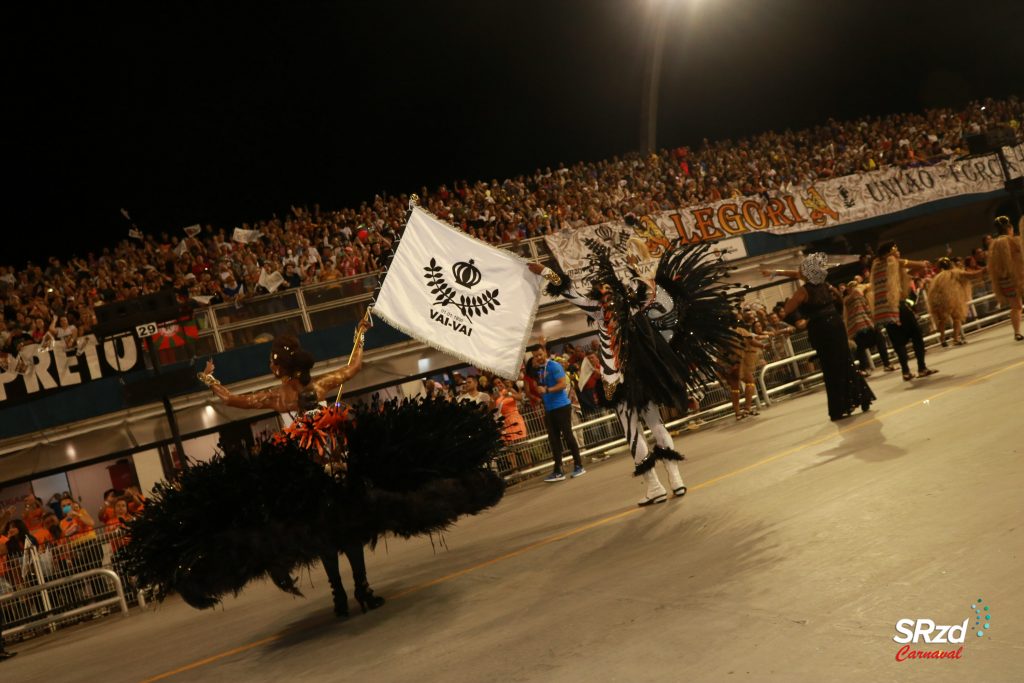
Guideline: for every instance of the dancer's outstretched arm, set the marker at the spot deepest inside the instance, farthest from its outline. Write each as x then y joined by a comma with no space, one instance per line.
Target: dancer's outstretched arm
586,304
915,265
327,385
781,272
266,398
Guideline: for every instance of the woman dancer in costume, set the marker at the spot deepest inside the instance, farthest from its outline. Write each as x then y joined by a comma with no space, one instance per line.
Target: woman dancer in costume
334,480
1006,268
736,370
890,286
299,393
729,372
948,295
845,387
645,362
752,358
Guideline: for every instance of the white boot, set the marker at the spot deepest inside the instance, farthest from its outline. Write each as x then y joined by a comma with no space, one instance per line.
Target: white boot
675,480
654,492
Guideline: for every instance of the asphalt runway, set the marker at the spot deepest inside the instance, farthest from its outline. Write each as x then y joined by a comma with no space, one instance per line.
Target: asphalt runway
799,546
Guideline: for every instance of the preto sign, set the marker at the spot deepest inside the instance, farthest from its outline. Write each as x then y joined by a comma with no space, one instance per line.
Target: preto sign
36,371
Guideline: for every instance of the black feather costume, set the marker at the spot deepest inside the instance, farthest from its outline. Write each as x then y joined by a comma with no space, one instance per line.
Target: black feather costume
700,323
665,345
409,468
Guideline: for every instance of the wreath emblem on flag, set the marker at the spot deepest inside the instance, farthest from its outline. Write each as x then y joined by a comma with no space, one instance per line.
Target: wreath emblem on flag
465,275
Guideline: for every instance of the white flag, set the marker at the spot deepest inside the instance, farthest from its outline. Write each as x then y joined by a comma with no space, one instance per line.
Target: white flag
193,230
134,233
181,248
245,236
459,295
270,282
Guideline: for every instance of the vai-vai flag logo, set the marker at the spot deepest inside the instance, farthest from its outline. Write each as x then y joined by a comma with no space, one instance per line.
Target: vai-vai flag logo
466,276
917,630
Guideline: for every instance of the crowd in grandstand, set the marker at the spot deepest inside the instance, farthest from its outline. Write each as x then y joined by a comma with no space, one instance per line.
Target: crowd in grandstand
53,303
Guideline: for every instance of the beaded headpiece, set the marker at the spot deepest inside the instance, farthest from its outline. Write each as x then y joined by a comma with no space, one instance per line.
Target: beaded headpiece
814,268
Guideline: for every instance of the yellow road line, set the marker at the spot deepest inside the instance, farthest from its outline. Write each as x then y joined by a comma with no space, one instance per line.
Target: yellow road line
214,658
603,521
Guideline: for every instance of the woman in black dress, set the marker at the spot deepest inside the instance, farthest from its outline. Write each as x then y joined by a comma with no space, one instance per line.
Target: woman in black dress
846,388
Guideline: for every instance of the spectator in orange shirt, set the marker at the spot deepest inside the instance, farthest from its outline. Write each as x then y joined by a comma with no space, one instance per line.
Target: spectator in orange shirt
33,514
51,525
76,519
121,517
136,501
107,515
42,536
122,514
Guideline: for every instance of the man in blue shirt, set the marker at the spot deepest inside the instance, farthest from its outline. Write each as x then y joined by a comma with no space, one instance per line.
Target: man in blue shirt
552,383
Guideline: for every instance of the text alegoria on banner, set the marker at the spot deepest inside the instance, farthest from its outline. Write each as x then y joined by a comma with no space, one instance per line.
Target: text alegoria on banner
826,204
460,295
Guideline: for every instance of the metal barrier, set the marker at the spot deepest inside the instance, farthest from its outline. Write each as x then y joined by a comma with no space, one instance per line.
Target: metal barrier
50,615
64,580
597,432
790,363
802,381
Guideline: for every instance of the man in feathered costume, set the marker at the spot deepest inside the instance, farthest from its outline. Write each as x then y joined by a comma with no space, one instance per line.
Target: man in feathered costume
658,341
949,292
1006,268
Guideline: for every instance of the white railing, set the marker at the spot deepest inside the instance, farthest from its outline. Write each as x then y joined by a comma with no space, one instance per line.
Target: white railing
802,381
63,581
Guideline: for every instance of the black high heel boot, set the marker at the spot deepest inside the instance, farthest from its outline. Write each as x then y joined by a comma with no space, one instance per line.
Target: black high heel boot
340,602
366,599
330,561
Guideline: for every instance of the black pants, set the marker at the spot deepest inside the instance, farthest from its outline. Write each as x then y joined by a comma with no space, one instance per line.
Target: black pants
899,335
559,424
866,339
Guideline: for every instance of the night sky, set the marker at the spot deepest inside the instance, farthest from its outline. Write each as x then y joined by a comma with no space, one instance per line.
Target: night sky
230,112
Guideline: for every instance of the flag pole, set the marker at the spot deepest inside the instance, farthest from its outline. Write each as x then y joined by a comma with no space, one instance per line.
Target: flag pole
414,201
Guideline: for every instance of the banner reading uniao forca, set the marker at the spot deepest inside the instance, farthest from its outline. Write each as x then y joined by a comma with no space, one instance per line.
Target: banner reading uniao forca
826,204
460,295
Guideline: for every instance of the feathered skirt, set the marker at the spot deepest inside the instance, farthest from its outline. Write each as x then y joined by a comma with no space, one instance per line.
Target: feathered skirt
407,469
